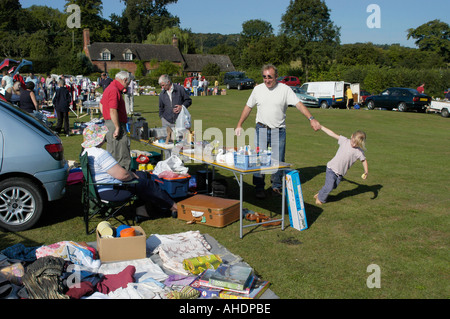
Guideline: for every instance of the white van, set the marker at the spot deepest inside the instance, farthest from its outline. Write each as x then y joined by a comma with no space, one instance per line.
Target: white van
331,93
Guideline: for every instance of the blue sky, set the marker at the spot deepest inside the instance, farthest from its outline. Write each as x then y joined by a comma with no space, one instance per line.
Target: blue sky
226,17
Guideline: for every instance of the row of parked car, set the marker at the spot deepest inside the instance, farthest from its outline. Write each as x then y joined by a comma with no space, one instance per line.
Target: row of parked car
332,93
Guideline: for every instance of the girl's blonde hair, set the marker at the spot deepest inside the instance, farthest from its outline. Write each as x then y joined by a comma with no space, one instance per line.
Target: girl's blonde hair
359,137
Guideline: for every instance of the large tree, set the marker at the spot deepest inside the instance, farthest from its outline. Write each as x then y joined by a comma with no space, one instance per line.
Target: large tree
101,30
185,42
433,36
254,30
311,32
10,15
148,16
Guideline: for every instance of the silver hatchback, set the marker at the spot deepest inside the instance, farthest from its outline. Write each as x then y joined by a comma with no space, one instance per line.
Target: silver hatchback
32,168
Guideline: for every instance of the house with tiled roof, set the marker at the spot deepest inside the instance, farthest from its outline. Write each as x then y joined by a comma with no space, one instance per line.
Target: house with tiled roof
109,55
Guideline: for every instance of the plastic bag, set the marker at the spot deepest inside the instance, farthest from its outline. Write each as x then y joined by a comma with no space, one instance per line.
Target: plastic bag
172,164
183,121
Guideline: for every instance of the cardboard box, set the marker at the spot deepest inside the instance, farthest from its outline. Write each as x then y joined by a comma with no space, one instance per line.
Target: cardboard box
122,248
297,214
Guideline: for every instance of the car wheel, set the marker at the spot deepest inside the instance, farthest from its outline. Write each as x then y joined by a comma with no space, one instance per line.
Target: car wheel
21,204
371,105
324,105
402,107
444,112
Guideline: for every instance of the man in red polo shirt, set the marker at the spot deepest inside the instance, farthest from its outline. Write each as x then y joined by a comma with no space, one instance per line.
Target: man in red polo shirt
115,115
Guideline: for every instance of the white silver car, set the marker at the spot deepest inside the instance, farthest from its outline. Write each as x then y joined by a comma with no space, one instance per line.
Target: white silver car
307,100
32,168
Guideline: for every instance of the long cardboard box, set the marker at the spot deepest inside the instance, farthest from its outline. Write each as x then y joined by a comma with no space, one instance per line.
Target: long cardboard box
297,214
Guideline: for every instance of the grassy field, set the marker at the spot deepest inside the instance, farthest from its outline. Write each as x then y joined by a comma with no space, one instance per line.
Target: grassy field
397,219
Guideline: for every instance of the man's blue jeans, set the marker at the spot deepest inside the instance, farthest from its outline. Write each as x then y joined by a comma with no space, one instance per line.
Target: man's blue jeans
276,139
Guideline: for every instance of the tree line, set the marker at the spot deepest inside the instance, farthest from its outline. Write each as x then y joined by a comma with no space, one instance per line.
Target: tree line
307,45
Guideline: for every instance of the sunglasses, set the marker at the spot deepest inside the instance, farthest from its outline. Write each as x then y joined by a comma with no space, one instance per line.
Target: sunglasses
267,77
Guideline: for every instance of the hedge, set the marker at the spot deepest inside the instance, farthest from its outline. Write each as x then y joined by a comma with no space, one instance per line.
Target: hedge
375,79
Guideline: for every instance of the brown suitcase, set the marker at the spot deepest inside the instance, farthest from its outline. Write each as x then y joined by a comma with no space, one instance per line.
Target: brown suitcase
208,210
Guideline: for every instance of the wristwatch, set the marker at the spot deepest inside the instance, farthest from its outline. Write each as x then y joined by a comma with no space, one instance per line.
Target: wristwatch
311,118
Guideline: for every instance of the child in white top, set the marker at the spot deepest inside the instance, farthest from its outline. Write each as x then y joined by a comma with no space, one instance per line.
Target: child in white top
350,150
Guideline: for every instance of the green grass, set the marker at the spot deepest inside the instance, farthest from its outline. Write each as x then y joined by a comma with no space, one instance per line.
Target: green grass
397,218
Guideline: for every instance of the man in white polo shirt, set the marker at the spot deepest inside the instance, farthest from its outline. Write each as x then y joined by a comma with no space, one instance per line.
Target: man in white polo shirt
272,100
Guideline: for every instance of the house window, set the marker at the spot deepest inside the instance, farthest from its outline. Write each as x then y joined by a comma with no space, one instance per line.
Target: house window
106,55
128,56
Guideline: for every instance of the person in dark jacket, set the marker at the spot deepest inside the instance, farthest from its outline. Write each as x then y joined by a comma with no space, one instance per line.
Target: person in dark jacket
61,102
171,100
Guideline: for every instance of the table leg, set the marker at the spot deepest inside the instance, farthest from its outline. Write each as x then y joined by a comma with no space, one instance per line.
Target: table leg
241,199
283,199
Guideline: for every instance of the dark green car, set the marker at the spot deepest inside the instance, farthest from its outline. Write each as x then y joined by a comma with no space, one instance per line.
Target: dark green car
403,99
238,80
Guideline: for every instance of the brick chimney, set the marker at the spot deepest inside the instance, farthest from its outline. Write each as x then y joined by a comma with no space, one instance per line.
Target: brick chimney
175,41
86,42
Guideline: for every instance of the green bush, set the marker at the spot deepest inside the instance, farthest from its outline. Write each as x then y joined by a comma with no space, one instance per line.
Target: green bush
375,79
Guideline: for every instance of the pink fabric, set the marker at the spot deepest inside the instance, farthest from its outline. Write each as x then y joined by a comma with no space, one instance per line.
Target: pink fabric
120,280
84,289
75,178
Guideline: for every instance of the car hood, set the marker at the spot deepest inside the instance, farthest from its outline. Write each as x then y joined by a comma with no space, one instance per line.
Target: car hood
306,97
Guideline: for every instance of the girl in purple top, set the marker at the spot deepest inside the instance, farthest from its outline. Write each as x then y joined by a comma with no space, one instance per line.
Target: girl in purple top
350,150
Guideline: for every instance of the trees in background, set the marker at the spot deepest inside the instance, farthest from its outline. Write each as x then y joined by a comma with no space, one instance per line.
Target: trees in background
433,36
311,33
307,45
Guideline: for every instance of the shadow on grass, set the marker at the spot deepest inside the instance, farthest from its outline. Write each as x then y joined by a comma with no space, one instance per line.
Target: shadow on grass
272,203
64,209
359,189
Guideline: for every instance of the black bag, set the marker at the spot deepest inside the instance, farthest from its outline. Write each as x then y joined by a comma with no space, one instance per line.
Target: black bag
219,188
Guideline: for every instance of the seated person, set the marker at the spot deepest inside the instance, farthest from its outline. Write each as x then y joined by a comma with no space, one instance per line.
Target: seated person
105,169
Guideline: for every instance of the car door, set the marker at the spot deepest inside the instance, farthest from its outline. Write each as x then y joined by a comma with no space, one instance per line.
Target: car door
382,99
355,87
1,150
395,98
292,81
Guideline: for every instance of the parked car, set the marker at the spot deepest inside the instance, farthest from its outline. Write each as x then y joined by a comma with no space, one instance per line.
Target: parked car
307,100
32,168
238,80
289,80
330,93
403,99
364,95
442,107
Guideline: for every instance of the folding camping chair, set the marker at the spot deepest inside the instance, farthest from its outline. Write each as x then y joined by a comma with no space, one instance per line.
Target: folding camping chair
94,206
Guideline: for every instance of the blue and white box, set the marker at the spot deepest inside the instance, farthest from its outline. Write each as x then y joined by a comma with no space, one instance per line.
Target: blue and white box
297,214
